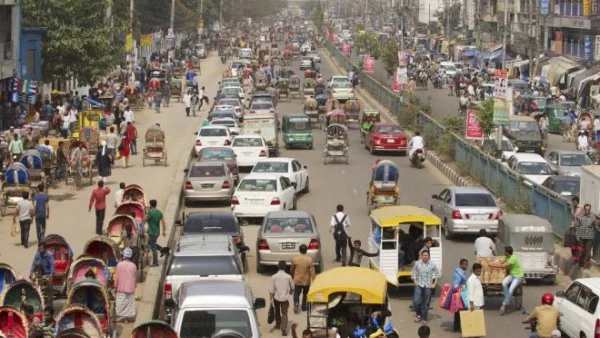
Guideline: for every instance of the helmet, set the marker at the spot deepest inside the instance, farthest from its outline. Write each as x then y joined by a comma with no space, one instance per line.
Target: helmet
547,298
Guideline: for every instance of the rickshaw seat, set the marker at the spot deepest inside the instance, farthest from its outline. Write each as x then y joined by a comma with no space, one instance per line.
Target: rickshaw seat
61,267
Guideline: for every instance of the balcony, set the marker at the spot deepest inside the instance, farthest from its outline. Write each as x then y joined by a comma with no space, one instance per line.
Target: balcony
7,63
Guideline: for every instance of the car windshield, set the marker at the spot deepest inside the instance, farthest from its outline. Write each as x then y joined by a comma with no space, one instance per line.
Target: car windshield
207,171
389,130
261,106
224,154
213,132
258,185
475,200
210,224
247,142
207,265
227,123
299,124
230,90
506,146
229,103
534,168
568,187
270,167
341,84
222,114
292,224
524,125
306,59
236,65
205,323
574,160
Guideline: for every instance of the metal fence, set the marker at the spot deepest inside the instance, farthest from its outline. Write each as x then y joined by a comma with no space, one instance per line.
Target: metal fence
515,190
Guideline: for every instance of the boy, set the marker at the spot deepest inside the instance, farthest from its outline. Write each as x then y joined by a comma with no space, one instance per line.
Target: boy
357,253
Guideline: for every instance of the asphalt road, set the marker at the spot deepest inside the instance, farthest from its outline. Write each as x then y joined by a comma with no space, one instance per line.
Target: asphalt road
347,184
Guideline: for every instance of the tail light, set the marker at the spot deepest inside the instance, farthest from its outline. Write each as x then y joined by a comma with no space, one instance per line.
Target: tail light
597,329
253,112
188,186
419,151
227,142
550,260
198,143
402,141
275,201
313,245
235,201
499,215
263,245
263,153
456,214
168,291
225,185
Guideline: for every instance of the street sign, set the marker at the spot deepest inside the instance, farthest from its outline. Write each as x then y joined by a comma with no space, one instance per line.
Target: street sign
501,112
501,84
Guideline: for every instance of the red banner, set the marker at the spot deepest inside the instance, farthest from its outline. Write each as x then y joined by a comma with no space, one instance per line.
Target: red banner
346,49
369,65
473,130
334,38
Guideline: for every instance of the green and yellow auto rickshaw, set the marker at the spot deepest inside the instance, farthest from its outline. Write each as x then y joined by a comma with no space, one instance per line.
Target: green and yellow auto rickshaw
297,131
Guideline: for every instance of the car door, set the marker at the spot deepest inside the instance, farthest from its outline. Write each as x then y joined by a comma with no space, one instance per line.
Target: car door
587,303
287,192
438,203
297,173
569,310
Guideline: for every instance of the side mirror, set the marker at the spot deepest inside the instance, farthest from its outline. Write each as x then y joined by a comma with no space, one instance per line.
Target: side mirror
305,167
186,171
169,303
434,196
259,303
560,294
196,133
178,223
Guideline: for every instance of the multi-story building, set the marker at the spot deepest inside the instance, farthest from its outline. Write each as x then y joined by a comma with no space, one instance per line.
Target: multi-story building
9,38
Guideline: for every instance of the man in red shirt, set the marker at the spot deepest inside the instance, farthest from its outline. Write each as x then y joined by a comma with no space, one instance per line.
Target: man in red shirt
131,132
98,199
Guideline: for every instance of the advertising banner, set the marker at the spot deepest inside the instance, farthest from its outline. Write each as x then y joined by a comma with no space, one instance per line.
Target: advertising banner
545,7
128,42
346,49
587,47
369,65
501,112
473,130
403,57
400,79
146,40
501,84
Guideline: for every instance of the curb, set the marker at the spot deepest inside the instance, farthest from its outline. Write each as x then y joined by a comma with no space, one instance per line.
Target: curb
445,169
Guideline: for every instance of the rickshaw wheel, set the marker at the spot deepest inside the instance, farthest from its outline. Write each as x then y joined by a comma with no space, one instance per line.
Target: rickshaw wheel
519,297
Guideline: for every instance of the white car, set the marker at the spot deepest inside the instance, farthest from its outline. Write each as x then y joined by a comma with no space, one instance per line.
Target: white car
449,68
239,90
259,194
337,79
212,136
314,55
289,167
230,123
341,91
532,166
249,149
578,306
305,63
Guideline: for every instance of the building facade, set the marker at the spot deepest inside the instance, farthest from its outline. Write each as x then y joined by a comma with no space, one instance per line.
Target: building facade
10,34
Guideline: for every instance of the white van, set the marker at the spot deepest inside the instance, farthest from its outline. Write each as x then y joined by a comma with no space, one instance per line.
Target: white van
449,68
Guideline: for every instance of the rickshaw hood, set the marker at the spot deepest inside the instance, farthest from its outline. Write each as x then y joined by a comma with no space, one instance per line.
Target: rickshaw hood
394,215
369,284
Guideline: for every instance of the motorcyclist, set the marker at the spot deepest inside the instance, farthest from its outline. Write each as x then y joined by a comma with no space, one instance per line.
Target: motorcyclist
582,141
416,142
546,316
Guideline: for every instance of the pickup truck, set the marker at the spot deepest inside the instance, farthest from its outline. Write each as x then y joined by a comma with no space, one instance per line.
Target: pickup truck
265,125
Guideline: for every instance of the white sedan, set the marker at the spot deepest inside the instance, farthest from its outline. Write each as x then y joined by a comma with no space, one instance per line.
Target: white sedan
249,149
337,79
259,194
240,91
212,136
228,122
288,167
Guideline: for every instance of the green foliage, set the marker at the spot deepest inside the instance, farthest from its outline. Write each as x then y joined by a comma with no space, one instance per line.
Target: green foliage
77,39
485,117
454,10
454,124
319,17
369,42
389,56
360,26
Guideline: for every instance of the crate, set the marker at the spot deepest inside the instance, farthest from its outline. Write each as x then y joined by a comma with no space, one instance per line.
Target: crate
489,274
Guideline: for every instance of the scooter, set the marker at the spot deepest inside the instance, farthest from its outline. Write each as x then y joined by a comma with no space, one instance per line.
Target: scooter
417,158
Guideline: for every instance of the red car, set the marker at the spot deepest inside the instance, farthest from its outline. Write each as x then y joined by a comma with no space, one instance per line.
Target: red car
386,137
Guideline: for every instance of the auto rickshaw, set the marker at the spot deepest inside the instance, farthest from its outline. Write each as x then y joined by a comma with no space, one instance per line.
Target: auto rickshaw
367,119
383,188
345,298
533,240
294,87
297,131
176,86
106,249
7,276
153,329
336,146
397,232
555,115
87,118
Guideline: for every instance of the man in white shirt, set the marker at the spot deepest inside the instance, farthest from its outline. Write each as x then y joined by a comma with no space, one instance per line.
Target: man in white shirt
187,100
72,117
416,142
475,289
339,228
119,194
484,246
128,115
280,289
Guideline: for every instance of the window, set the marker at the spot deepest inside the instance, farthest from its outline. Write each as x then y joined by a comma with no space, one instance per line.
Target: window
297,166
221,154
389,130
213,132
574,160
204,324
445,196
295,225
534,168
475,200
210,224
258,185
587,300
206,171
270,167
205,265
247,142
285,183
573,292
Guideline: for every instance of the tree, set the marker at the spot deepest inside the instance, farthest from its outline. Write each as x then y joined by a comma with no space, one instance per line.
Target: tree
77,40
485,117
319,18
389,56
368,42
454,11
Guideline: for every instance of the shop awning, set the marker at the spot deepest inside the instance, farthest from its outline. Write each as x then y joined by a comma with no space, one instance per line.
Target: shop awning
558,67
492,51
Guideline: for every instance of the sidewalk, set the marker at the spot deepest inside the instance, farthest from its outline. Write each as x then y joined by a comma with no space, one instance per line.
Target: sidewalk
68,206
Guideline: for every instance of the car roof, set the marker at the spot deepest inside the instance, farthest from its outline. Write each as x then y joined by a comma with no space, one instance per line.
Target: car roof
261,176
214,127
469,190
228,119
562,152
209,164
249,136
289,214
277,159
205,245
230,87
206,294
563,178
339,77
529,157
217,148
224,107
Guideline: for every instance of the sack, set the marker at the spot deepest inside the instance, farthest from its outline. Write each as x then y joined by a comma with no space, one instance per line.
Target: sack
445,297
339,233
570,238
577,252
456,303
271,314
15,230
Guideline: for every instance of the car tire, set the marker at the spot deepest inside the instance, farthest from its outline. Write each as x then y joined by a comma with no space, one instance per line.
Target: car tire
259,267
447,233
307,186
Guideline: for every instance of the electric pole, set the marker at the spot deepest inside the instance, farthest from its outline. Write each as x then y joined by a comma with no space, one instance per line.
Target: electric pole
172,26
504,33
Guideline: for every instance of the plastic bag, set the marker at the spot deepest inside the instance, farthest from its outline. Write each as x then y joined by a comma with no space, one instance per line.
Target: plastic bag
456,303
464,295
15,231
445,297
271,314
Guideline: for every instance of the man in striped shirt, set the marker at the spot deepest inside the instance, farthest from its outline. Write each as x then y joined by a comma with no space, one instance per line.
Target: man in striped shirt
586,226
425,275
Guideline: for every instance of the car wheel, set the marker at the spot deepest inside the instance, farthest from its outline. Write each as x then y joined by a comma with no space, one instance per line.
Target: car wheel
259,267
447,232
307,186
294,202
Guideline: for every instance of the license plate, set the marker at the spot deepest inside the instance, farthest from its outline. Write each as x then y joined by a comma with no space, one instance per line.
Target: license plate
479,217
247,153
212,142
288,246
390,140
336,153
254,202
207,186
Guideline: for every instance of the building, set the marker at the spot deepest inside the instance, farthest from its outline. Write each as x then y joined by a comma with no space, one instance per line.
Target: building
10,34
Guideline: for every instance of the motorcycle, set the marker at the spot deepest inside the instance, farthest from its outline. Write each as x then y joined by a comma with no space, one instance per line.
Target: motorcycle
417,158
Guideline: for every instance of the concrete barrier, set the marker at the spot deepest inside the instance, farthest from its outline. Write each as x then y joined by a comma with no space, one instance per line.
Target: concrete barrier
445,169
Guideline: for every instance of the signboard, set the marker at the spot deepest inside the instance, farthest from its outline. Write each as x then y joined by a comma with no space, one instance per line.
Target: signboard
597,48
346,49
501,84
501,112
587,47
587,7
545,7
369,65
403,57
334,38
400,79
473,130
128,42
146,40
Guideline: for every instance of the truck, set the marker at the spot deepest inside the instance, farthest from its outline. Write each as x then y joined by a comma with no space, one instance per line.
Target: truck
265,125
589,190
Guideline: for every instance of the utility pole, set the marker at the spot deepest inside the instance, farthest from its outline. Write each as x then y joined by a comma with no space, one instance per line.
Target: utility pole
532,36
478,13
538,35
339,8
402,26
448,21
221,15
504,34
172,26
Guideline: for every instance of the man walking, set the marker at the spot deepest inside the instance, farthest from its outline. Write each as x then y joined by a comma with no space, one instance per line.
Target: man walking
125,284
425,275
475,289
586,225
119,194
280,289
187,100
155,219
42,212
25,212
131,133
98,200
339,225
303,272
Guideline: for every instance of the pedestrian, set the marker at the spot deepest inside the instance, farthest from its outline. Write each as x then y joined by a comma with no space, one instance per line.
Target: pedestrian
303,273
475,289
280,289
484,245
425,275
514,278
125,284
424,331
450,82
459,282
103,162
357,253
155,219
112,140
25,212
157,100
203,98
586,226
131,132
128,115
339,228
42,212
61,162
187,100
166,94
119,194
576,210
195,102
150,97
98,200
306,333
124,149
15,147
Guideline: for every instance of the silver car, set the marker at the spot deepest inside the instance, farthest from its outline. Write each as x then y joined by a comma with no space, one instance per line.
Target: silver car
466,210
208,181
262,108
281,235
567,162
